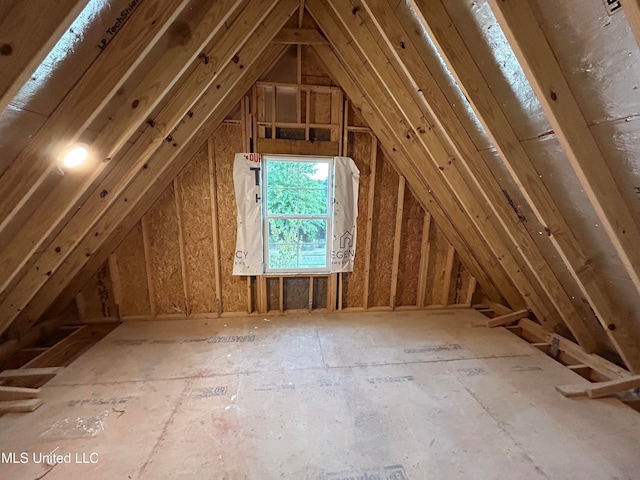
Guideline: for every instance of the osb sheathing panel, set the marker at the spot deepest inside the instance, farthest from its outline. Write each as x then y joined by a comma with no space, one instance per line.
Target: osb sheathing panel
197,232
313,72
285,71
437,261
164,255
320,292
359,149
355,120
385,201
296,293
273,293
227,140
320,108
132,271
410,248
97,296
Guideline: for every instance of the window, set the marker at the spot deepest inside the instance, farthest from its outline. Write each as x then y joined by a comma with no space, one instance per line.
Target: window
297,213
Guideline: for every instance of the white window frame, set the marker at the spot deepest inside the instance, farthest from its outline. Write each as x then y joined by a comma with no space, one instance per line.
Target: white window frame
328,217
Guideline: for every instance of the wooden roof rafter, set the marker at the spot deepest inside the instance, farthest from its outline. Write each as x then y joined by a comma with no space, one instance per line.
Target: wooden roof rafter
444,169
403,133
133,112
81,106
472,166
632,11
108,217
436,20
400,158
24,49
545,75
35,234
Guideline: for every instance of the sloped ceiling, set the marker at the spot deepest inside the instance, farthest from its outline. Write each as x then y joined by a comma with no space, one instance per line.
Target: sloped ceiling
515,124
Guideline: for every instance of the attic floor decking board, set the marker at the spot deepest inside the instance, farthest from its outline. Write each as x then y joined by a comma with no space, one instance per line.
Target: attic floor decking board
417,395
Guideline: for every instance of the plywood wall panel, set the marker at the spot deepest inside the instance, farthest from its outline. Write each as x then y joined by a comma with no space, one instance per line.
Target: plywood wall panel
313,73
410,247
359,149
386,197
227,142
164,255
133,274
436,264
197,233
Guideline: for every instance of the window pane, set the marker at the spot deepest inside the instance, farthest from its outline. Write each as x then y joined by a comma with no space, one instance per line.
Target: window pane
297,188
297,243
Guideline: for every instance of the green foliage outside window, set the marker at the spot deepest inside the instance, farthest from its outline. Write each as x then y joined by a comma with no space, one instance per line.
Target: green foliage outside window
297,188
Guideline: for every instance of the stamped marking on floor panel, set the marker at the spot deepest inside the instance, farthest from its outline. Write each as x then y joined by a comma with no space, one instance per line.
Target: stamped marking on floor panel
434,348
387,472
406,378
99,401
472,372
207,392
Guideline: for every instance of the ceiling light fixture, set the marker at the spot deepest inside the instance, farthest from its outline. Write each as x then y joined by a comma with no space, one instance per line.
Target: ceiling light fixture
75,156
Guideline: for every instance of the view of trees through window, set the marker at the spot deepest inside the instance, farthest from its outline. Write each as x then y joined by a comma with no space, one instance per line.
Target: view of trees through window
297,214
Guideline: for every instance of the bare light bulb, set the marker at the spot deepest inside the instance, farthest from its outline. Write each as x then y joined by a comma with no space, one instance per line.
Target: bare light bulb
75,156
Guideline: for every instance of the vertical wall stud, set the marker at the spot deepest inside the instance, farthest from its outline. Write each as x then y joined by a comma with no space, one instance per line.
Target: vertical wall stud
397,237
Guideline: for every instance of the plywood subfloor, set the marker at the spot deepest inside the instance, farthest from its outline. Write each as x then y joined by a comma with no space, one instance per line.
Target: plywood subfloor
420,395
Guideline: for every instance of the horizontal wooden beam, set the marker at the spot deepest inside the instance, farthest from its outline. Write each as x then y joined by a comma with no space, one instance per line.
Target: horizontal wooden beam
300,36
20,406
507,319
532,330
600,389
18,393
297,147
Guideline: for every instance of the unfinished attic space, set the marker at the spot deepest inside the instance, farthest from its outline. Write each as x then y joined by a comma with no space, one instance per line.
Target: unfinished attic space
320,239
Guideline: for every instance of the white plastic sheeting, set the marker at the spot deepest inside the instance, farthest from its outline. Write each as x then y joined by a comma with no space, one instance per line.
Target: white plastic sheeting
248,257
